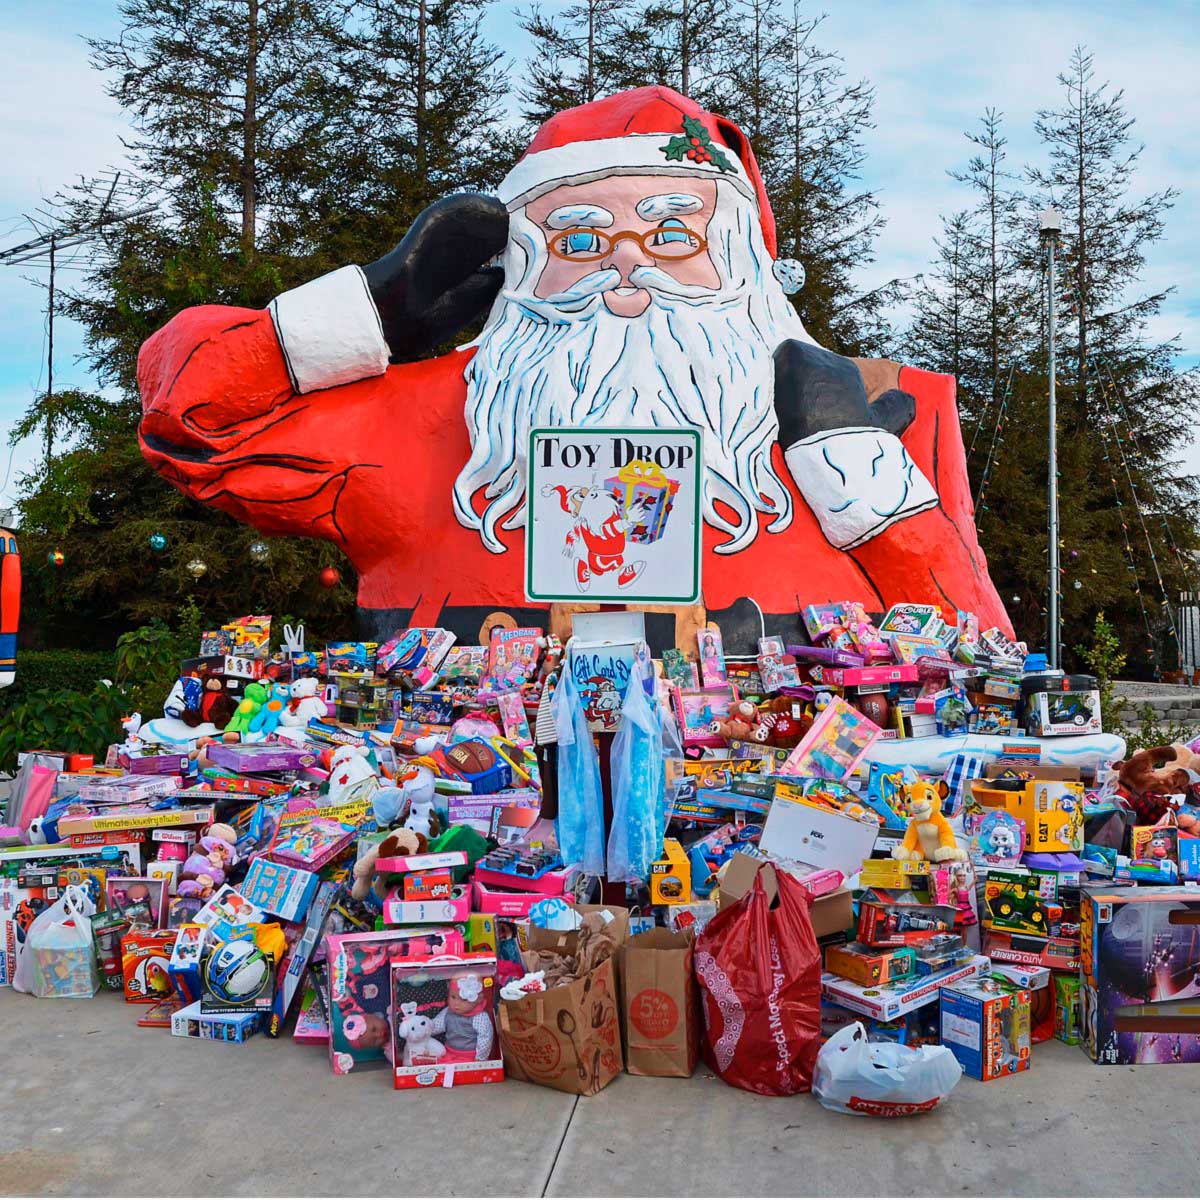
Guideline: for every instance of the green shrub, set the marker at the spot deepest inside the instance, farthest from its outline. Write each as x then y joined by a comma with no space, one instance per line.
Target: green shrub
58,719
148,665
1150,733
74,670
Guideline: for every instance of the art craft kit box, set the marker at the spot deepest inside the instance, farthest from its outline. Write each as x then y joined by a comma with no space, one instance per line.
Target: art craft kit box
986,1026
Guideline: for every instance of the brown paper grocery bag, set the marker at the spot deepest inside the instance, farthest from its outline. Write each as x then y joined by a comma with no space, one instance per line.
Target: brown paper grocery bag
660,1014
566,1037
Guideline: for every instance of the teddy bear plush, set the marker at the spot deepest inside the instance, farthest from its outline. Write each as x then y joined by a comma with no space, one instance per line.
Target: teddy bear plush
740,724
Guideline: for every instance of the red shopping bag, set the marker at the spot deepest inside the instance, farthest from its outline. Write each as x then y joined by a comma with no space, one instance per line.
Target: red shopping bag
759,970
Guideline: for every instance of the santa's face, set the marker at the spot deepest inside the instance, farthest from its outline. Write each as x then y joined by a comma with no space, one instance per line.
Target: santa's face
643,300
620,224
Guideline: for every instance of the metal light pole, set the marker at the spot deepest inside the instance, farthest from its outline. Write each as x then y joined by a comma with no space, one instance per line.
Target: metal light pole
1049,227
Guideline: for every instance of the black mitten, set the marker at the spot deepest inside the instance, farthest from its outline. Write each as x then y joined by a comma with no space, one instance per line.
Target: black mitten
436,281
817,390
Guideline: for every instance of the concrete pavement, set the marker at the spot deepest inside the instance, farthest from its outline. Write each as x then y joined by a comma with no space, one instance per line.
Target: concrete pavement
92,1105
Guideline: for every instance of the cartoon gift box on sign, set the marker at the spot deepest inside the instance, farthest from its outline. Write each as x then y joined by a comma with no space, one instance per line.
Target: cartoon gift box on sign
642,484
628,275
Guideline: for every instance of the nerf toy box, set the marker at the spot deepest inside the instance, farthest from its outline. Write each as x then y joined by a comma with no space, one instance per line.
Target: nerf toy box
299,955
986,1027
1141,957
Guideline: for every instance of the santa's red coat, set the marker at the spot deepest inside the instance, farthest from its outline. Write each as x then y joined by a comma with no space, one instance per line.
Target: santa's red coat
370,465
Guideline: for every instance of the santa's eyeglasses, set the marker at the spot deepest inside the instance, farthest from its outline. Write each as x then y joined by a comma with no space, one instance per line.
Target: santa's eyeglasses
672,241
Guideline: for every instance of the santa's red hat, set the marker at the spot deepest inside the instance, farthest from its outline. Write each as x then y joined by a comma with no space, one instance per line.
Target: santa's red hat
647,131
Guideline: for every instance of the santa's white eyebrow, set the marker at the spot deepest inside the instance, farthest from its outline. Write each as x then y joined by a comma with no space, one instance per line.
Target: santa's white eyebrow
579,214
670,204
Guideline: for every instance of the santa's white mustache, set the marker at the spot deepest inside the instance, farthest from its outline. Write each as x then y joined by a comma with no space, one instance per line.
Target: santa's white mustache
653,279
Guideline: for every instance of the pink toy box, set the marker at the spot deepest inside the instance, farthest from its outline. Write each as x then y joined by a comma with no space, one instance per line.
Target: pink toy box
360,990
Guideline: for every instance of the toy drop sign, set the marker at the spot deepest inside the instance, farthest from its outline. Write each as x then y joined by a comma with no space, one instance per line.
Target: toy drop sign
614,515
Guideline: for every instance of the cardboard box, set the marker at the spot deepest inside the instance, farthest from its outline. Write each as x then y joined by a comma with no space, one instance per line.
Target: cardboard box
1050,806
398,911
1021,901
146,963
869,965
671,875
892,872
215,1027
885,924
886,1002
1026,950
986,1028
1141,955
831,912
817,837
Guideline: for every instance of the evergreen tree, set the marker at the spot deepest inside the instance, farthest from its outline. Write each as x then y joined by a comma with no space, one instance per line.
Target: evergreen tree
823,215
680,43
578,55
275,139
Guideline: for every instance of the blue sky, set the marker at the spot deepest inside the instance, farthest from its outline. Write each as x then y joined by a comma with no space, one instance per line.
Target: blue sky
935,67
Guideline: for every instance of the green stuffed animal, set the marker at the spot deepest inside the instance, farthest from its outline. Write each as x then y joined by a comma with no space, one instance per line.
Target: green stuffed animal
253,698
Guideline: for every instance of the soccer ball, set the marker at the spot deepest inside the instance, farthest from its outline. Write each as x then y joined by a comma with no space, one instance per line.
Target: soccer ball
237,972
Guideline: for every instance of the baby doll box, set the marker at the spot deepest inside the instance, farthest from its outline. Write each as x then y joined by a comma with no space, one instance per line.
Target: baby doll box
443,1022
1141,957
359,971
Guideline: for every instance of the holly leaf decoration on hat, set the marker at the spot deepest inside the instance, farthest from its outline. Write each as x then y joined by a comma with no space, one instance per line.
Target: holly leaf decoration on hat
696,144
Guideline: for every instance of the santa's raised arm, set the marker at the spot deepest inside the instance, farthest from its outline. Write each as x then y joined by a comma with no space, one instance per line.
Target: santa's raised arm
637,284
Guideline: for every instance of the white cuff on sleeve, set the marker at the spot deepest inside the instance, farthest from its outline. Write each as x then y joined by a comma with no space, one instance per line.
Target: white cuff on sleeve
329,331
858,482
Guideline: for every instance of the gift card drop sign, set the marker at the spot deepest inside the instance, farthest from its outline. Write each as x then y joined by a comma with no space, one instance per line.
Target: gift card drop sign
613,515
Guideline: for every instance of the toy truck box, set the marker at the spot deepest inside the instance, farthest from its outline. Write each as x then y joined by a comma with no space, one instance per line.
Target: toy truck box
1141,956
986,1028
1021,901
887,1001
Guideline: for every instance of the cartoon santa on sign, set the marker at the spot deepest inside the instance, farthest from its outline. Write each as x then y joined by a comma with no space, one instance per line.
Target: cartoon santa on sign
639,286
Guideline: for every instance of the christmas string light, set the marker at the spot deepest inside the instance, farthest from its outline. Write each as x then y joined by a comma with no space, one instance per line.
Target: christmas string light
1130,564
988,407
1138,508
985,478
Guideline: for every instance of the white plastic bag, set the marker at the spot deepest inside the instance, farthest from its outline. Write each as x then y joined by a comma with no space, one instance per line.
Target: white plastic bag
882,1079
59,958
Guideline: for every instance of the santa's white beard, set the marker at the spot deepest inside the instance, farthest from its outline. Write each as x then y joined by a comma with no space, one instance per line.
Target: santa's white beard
695,357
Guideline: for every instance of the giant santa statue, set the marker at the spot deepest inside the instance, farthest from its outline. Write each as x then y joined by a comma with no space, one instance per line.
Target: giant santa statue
639,286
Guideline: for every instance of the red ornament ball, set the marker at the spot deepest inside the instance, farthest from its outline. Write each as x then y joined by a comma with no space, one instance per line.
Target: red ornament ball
330,577
56,558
